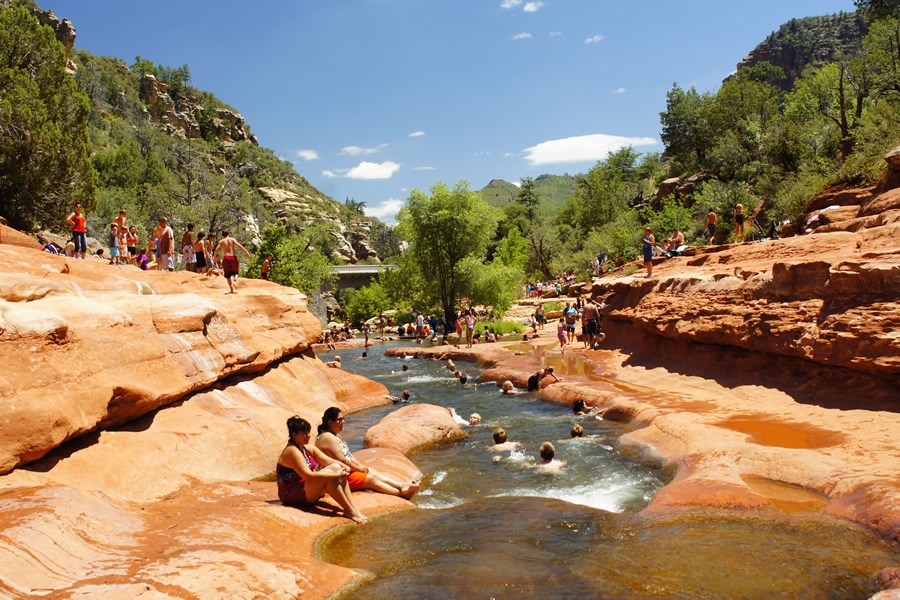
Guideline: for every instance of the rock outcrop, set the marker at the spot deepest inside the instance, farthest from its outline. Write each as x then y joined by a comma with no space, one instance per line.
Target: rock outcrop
830,297
142,414
181,115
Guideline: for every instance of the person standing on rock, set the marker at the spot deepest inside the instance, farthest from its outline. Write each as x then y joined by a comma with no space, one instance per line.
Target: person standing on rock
266,266
739,223
230,263
77,221
166,246
712,222
647,250
187,250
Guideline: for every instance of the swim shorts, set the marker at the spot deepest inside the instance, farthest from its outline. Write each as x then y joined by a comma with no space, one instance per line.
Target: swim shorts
357,480
231,266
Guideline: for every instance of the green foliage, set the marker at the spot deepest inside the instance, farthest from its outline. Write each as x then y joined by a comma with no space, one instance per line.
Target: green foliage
606,190
512,250
502,327
528,198
874,10
442,230
296,261
407,287
687,128
722,197
369,301
620,239
553,306
794,194
672,215
44,145
494,284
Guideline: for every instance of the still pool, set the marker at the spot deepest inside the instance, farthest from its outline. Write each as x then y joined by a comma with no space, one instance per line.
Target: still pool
491,525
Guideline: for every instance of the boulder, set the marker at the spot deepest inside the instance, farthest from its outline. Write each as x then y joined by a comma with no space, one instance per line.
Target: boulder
414,426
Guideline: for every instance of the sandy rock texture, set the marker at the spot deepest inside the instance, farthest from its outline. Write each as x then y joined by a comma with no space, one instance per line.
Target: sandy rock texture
830,297
142,415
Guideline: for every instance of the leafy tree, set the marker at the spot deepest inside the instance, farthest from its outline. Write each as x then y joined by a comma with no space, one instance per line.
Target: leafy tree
723,197
442,230
355,207
794,194
368,301
512,250
874,10
45,150
687,129
296,262
494,284
672,215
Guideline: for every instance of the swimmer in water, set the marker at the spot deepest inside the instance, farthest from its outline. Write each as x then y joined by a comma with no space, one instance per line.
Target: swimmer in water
508,389
549,463
403,399
502,443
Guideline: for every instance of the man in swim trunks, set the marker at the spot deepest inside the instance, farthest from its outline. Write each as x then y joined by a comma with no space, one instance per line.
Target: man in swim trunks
711,222
230,263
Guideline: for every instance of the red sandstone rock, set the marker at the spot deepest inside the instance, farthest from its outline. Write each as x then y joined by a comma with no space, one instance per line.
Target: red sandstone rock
414,426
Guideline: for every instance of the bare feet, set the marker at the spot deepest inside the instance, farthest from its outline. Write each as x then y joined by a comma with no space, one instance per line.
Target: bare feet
408,491
359,518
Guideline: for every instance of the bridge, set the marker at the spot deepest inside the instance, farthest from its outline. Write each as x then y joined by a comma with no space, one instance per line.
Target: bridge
357,276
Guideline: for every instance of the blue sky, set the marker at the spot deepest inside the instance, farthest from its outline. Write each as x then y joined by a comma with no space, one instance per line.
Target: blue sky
373,98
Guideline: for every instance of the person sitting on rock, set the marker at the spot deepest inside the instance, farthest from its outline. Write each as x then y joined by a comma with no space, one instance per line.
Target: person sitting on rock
304,473
361,477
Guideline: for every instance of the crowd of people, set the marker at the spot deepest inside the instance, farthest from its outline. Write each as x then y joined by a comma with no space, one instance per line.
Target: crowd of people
199,252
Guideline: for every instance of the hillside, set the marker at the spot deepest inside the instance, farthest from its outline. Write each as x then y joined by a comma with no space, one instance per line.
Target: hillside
801,43
139,136
553,190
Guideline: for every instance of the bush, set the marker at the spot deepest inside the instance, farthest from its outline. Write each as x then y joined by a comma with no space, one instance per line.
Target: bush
503,327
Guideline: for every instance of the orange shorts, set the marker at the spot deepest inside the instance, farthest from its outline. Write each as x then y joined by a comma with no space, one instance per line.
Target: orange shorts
357,480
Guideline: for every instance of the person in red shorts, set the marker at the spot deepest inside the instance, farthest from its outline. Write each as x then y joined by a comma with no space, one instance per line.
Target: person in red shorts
361,477
230,264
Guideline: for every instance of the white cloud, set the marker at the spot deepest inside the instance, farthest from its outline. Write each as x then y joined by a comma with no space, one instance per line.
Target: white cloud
620,90
555,33
423,169
370,170
307,154
583,148
417,134
595,39
522,36
329,174
357,150
508,154
510,3
533,6
386,211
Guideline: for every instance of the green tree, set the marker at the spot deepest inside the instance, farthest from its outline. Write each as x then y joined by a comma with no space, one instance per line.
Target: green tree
296,261
368,301
687,129
45,151
495,284
528,197
442,230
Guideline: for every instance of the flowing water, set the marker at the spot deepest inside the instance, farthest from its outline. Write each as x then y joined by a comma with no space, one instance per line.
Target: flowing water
494,525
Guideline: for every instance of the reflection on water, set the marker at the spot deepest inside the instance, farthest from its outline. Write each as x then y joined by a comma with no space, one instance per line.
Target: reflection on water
514,547
500,528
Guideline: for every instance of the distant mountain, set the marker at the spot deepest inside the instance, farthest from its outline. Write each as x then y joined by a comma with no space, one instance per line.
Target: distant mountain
801,43
553,190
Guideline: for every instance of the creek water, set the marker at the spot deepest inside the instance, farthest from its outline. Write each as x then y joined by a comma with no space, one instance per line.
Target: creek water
493,525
